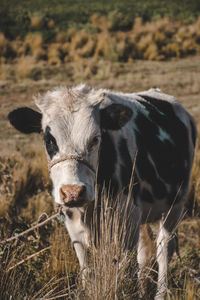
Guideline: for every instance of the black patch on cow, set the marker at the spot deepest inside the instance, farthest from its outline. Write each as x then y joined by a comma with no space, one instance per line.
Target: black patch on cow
26,120
194,132
126,168
146,171
50,141
146,196
115,116
107,162
136,187
168,155
126,164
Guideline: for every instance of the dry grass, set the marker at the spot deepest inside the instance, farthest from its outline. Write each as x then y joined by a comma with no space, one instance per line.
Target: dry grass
24,66
112,275
25,194
107,262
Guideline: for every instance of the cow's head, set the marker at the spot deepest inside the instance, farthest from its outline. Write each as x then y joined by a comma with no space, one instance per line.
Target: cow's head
72,121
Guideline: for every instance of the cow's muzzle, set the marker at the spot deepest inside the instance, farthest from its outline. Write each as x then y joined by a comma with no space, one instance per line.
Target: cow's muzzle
73,195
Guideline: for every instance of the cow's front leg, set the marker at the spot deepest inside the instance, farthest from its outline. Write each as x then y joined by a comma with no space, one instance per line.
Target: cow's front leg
80,237
80,253
82,258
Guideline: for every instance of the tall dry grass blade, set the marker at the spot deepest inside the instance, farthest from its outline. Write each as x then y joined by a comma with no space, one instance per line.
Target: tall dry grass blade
27,258
17,235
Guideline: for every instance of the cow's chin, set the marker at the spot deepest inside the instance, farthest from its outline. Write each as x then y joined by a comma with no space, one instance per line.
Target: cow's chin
83,203
78,203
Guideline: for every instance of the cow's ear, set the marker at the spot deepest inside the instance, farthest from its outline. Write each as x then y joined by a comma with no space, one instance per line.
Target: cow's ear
115,116
26,120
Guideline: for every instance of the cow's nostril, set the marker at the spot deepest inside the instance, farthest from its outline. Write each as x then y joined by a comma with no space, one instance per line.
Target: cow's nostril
82,191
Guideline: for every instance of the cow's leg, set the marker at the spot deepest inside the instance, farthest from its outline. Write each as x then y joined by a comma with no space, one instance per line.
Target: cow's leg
144,254
79,234
167,227
162,259
80,253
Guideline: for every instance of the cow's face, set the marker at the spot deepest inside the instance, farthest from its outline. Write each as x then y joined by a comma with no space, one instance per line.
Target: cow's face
72,139
72,124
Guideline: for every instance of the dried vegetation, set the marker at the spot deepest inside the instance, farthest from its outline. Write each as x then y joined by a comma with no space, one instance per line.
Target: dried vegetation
156,40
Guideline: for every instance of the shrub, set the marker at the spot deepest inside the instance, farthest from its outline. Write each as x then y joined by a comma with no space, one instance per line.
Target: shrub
189,47
158,40
54,54
100,22
51,24
3,44
60,37
171,50
151,52
88,49
36,21
119,21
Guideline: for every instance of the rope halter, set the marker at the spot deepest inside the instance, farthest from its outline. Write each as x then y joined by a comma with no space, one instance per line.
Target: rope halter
64,157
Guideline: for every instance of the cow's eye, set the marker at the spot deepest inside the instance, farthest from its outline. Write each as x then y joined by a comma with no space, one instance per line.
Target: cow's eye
93,142
51,144
50,141
51,147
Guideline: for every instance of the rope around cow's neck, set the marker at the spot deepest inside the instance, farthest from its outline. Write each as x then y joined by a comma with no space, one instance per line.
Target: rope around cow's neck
70,157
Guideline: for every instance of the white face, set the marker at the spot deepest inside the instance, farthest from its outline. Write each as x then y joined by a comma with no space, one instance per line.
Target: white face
75,134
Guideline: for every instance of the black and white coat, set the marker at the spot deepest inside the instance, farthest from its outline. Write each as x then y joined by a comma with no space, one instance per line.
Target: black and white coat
97,135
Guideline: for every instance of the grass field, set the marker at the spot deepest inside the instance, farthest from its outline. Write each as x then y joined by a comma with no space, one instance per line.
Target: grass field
25,188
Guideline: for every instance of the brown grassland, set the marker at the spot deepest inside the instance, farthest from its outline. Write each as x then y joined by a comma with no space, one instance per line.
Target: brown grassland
25,189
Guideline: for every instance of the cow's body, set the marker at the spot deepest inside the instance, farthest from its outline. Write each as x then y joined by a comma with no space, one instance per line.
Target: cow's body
162,136
150,129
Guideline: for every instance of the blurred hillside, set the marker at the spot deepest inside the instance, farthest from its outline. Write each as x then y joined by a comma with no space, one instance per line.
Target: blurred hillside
16,15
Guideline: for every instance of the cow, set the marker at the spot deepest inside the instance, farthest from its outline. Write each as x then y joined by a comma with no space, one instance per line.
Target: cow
95,136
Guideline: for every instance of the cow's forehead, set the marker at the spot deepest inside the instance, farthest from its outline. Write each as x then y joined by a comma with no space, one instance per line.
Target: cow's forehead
72,124
71,113
68,99
84,121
